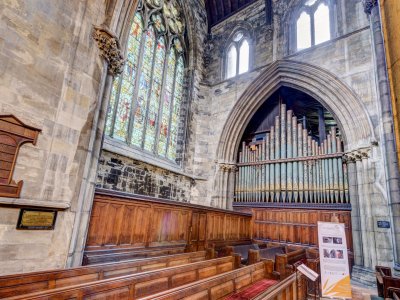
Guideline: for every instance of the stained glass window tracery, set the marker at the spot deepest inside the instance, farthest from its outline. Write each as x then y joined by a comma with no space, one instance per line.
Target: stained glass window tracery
145,103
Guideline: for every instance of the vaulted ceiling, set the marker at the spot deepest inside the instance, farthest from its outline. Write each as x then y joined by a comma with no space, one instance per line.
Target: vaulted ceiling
218,10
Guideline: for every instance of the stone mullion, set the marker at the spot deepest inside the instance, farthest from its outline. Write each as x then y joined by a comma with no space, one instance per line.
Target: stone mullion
161,108
136,86
149,92
117,99
312,25
172,104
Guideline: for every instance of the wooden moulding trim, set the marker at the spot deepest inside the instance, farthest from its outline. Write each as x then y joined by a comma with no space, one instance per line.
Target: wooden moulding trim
316,206
27,203
126,196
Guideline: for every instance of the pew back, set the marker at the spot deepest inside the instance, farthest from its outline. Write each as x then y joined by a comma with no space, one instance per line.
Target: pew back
219,286
18,284
113,255
283,262
138,285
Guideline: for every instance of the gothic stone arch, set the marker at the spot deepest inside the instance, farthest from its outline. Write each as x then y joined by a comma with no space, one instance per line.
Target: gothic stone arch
363,156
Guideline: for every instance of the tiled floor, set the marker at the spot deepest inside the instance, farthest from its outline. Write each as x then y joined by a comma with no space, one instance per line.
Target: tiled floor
361,293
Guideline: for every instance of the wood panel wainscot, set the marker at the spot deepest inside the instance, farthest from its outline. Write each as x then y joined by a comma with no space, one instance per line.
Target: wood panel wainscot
136,227
295,226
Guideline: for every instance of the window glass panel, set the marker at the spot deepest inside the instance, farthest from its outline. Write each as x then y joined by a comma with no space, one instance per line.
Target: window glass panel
231,62
166,111
176,109
244,57
128,80
322,24
111,105
143,91
152,115
303,31
310,2
238,36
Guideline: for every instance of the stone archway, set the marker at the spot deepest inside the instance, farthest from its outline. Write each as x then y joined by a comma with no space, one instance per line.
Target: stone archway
361,149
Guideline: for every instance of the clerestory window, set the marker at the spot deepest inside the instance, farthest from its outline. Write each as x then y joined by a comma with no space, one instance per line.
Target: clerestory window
237,60
145,104
313,25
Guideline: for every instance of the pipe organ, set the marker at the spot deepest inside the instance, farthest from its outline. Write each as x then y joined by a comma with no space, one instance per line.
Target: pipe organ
289,166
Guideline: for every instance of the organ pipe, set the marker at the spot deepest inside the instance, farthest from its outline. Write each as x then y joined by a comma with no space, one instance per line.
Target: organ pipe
289,166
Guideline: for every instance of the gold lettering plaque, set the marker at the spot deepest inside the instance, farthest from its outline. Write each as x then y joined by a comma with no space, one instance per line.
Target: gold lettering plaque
35,219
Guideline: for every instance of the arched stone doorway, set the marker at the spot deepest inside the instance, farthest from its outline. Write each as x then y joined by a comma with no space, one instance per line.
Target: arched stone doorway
367,190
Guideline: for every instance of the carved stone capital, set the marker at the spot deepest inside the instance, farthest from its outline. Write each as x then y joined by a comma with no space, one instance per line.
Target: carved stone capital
369,5
227,168
110,50
357,155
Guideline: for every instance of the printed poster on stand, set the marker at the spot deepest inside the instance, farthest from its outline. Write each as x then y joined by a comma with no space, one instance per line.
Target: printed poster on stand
334,261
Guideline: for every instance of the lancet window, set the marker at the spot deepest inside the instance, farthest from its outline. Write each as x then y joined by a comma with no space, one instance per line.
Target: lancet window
313,24
146,100
237,59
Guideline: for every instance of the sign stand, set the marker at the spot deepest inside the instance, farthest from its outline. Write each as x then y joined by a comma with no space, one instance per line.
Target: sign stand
310,276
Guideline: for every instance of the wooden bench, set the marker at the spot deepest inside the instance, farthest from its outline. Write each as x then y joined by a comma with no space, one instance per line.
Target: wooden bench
284,262
266,253
113,255
385,280
19,284
394,293
137,285
220,286
242,250
220,246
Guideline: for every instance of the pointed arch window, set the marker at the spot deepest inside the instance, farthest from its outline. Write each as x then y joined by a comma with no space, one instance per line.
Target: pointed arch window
314,24
237,59
146,100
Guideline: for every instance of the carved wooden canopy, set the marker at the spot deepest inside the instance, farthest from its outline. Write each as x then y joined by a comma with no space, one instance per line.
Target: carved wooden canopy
13,134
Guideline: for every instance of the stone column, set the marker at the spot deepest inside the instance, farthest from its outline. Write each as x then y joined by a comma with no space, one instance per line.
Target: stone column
355,210
371,7
113,64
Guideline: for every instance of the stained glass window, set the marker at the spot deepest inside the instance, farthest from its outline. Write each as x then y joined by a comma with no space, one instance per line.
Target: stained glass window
146,99
237,59
313,25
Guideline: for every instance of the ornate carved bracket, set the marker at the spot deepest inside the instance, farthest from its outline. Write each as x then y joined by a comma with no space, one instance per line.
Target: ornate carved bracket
369,5
13,134
110,50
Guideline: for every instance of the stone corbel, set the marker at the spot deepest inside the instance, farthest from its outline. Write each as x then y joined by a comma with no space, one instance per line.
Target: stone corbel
110,50
369,5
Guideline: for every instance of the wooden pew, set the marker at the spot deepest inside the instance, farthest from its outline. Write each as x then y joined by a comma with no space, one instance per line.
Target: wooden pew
242,250
284,262
394,293
13,285
137,285
385,280
220,246
262,254
219,286
113,255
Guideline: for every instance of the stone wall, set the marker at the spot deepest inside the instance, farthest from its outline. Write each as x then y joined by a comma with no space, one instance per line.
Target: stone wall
51,77
119,173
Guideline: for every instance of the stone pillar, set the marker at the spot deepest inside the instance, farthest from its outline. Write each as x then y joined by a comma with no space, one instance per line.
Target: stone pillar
225,185
113,62
355,210
371,7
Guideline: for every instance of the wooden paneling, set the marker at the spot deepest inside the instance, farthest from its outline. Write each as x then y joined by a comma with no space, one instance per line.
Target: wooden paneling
122,223
296,226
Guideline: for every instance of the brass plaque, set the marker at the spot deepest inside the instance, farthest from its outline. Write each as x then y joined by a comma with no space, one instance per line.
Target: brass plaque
35,219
